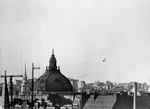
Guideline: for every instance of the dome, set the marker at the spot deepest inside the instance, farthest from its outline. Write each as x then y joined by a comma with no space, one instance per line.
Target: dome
53,80
57,82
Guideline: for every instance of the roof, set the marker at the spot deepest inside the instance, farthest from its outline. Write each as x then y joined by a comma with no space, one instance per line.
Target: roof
117,101
54,81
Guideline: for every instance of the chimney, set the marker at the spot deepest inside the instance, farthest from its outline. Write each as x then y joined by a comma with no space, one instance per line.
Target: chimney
135,95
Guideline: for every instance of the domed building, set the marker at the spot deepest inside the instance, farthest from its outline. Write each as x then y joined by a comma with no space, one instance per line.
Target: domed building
53,81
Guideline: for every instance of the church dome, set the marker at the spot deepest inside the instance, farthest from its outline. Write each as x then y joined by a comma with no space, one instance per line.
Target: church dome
57,82
53,80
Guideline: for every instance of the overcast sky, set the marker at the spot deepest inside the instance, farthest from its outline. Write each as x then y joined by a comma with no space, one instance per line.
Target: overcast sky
82,33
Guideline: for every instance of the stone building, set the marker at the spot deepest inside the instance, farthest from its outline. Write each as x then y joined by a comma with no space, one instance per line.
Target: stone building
53,85
53,80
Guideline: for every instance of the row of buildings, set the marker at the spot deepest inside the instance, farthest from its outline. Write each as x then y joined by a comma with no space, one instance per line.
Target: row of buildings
108,86
57,88
25,85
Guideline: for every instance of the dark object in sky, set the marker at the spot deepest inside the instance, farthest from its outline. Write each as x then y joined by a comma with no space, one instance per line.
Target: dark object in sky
104,60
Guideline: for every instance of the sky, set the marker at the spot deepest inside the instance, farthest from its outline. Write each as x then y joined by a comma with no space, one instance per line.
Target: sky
82,34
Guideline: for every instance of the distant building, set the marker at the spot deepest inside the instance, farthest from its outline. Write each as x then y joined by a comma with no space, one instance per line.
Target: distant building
98,86
109,85
145,87
124,85
81,86
74,83
148,88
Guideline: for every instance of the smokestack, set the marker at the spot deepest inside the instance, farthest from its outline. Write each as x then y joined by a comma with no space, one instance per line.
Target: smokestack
6,97
135,95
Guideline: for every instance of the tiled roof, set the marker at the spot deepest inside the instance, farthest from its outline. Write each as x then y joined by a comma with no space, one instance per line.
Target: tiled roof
89,103
143,102
117,101
101,102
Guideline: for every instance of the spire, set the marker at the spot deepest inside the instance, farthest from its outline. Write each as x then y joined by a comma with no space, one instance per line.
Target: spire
23,85
25,74
25,70
52,51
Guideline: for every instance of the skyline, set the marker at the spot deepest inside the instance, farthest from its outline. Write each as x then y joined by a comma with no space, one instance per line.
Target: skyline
82,33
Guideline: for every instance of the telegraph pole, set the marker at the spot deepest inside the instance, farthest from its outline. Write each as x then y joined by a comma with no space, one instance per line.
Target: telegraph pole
33,81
